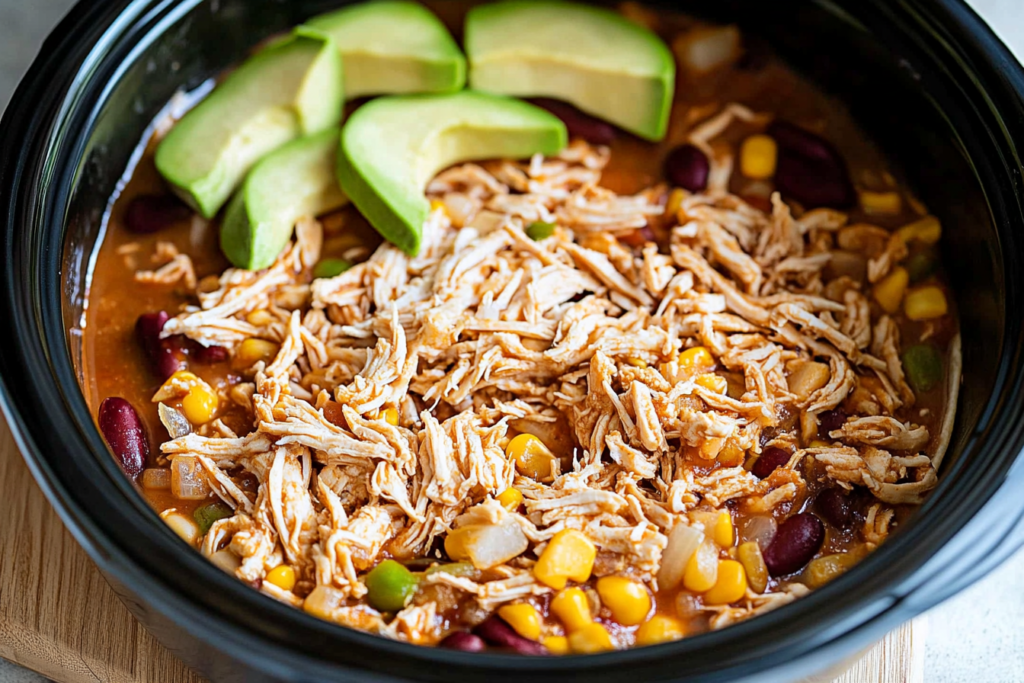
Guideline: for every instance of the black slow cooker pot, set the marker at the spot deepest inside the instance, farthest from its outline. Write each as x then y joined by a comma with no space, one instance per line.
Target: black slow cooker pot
925,77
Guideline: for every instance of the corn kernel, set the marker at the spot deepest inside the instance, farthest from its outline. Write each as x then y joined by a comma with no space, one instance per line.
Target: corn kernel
590,639
823,569
730,586
183,526
200,403
712,382
758,156
523,617
723,532
556,645
926,303
818,443
260,318
628,600
510,499
881,202
282,576
749,555
568,555
675,201
390,416
532,457
927,230
697,358
573,608
702,569
731,456
252,351
660,629
889,291
636,362
438,205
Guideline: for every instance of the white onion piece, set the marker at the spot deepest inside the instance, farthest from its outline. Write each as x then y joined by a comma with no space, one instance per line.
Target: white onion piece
707,48
188,480
174,421
760,528
488,545
156,478
226,560
683,541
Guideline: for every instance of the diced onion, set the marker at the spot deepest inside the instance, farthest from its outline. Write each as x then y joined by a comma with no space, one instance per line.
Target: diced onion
188,480
683,541
760,529
176,424
156,478
707,48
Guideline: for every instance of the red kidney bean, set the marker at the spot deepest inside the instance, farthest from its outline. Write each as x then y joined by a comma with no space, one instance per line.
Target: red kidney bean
830,421
208,355
835,506
771,459
497,632
578,124
166,356
795,543
123,430
464,642
809,168
688,167
150,213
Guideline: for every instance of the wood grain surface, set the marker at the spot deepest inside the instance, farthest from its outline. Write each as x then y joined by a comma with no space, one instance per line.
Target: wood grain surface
59,617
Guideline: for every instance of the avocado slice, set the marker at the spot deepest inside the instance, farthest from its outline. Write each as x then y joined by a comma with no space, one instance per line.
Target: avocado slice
392,146
393,47
294,181
289,89
591,57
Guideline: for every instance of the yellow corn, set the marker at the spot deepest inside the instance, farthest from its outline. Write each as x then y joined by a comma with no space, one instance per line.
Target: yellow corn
889,291
510,499
282,576
818,443
926,303
390,416
823,569
200,403
556,645
438,205
712,382
568,555
531,456
749,555
572,607
590,639
260,318
697,358
636,362
252,351
927,230
731,456
675,201
660,629
523,617
183,526
628,600
881,202
723,532
758,156
702,568
730,586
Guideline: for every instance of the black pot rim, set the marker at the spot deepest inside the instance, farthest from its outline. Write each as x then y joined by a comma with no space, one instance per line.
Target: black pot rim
43,137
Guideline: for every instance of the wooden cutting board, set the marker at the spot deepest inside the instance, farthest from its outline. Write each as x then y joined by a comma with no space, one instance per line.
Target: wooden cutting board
59,617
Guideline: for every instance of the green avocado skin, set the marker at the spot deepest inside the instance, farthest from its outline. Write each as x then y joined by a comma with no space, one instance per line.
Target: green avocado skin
391,147
296,180
291,88
393,47
589,56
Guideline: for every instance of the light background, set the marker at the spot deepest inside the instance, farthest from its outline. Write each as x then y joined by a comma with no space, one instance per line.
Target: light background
977,636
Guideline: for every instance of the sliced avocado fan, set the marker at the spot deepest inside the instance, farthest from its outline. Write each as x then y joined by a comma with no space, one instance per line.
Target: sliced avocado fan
289,89
393,47
591,57
392,146
294,181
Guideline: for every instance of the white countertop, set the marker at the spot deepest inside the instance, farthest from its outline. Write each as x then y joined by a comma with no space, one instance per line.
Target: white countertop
978,636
